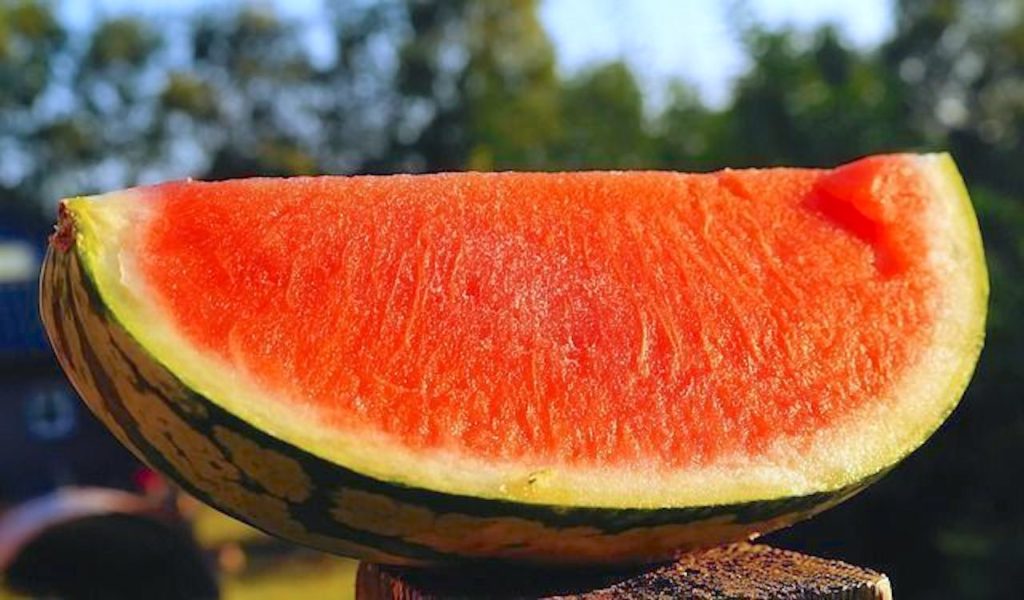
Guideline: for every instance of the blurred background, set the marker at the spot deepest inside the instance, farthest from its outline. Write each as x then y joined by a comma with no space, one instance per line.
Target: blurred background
103,94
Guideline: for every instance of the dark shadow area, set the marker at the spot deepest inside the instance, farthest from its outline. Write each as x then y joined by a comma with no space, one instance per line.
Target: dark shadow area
115,556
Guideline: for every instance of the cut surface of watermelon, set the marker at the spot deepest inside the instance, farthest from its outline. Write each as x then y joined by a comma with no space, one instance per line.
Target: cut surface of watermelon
640,340
646,320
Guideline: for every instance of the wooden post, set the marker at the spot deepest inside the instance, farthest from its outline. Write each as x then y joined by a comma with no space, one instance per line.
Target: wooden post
734,571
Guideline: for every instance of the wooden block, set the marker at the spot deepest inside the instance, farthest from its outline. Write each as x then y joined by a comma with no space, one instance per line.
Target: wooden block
734,571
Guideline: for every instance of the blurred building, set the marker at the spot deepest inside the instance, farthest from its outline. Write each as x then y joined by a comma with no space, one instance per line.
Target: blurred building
48,438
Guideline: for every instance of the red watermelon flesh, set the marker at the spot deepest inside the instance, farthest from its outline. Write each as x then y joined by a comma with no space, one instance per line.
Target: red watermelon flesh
586,319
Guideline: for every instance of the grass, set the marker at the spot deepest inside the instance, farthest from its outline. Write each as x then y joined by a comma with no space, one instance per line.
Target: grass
290,573
327,577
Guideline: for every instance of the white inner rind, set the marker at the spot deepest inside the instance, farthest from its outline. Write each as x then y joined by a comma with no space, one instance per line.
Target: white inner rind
868,440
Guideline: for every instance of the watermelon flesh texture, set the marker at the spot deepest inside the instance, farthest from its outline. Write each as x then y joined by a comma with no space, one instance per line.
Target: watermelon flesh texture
575,367
651,319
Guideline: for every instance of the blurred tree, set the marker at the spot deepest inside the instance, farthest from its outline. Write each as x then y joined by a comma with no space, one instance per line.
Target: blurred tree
511,87
687,135
809,100
477,87
31,41
243,99
75,114
963,61
604,121
97,143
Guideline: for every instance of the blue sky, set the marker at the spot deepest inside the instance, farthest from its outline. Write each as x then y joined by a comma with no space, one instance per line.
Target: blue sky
659,38
692,38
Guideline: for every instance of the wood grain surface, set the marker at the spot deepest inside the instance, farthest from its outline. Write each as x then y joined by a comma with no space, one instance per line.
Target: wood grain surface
733,571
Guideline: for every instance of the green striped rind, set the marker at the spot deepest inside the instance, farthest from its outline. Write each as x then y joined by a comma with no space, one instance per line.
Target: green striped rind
293,494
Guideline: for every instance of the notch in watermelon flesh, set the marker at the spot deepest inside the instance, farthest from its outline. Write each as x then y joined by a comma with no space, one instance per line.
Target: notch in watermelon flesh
568,367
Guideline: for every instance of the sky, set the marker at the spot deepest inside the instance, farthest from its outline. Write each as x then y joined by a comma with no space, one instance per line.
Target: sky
690,39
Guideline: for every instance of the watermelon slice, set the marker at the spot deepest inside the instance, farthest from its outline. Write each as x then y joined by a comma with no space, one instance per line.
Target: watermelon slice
565,367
